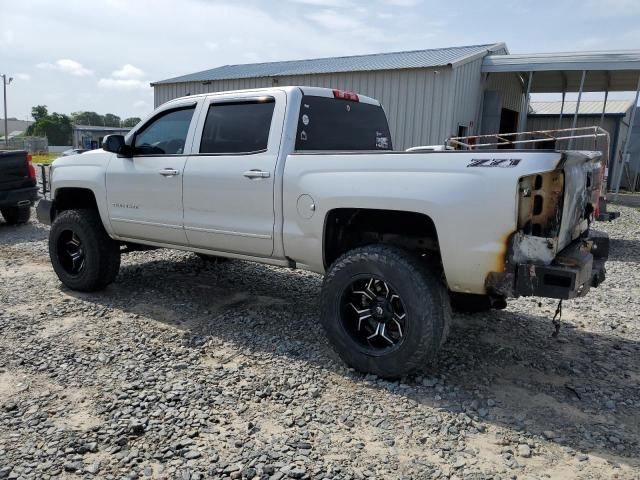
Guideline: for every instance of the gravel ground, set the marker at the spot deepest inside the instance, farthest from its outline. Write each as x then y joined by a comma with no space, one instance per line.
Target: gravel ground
189,370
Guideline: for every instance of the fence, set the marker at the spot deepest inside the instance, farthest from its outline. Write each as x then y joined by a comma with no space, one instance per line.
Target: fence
31,144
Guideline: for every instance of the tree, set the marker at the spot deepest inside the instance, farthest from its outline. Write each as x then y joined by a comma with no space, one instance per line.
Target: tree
111,120
39,111
87,118
130,122
56,127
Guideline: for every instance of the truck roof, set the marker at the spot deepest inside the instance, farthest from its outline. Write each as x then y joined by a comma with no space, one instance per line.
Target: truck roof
306,90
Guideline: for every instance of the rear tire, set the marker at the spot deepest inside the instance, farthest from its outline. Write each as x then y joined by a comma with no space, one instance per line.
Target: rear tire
83,255
16,215
378,285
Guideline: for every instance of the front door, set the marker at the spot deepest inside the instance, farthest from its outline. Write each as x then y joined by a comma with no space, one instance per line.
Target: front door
229,183
144,192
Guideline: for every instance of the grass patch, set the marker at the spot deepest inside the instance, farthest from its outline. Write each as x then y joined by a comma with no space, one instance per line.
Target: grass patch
45,157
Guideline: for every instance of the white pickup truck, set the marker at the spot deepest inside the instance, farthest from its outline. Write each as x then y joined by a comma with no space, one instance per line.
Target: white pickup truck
304,177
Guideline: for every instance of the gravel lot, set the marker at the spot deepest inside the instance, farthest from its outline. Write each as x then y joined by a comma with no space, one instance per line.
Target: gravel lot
188,370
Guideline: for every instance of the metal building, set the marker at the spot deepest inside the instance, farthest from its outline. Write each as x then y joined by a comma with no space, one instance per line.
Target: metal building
90,137
579,72
614,118
428,95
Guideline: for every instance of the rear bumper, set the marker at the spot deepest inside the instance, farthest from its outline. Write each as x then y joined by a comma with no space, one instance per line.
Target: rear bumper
21,197
43,211
576,269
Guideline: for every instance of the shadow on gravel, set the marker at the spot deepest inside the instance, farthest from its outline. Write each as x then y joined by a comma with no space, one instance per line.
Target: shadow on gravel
623,250
29,232
503,367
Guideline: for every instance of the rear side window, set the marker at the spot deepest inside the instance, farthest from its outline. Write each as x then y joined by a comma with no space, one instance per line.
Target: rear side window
335,124
239,127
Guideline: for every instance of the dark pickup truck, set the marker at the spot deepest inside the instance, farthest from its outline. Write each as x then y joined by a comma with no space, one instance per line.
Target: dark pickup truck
18,186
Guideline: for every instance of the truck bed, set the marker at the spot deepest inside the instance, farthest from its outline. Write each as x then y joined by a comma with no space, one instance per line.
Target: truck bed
14,171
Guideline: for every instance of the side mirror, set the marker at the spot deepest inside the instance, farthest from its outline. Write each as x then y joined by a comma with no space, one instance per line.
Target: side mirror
116,144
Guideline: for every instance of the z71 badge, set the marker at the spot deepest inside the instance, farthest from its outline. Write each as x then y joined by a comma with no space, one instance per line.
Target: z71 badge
494,162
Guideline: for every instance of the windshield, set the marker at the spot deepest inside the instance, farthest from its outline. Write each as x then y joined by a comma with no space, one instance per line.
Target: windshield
335,124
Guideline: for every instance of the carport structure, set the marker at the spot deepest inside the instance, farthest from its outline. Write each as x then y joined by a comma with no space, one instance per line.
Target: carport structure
611,71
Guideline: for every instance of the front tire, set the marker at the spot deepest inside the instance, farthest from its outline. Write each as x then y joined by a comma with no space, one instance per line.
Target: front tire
83,255
16,215
384,312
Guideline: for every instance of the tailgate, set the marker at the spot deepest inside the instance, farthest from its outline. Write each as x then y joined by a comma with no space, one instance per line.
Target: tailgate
14,170
582,184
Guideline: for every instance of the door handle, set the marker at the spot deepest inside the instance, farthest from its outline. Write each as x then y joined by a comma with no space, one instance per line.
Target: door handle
169,172
257,174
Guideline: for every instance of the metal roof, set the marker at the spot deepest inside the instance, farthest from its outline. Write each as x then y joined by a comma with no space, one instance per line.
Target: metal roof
535,62
437,57
615,70
614,107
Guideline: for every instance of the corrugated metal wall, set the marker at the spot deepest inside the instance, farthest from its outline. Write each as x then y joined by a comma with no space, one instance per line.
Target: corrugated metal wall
510,87
424,106
535,122
467,95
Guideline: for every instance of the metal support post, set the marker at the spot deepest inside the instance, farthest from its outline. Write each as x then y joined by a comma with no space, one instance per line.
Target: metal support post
620,163
575,115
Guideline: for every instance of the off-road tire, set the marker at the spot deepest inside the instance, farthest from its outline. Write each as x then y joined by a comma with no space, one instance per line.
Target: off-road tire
16,215
102,254
423,294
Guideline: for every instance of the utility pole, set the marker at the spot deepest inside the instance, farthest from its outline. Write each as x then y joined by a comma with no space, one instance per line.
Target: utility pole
6,122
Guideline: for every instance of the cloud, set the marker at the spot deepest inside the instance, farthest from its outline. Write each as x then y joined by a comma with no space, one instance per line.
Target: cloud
140,104
128,71
68,66
122,83
332,20
212,45
23,76
322,3
614,8
6,38
403,3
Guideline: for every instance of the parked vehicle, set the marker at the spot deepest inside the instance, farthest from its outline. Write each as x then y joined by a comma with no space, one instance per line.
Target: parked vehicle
18,188
306,177
74,151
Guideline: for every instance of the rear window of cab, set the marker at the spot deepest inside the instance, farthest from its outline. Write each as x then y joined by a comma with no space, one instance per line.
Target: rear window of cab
337,124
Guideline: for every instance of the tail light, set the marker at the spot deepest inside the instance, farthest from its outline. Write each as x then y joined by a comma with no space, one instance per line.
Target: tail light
342,95
540,204
30,167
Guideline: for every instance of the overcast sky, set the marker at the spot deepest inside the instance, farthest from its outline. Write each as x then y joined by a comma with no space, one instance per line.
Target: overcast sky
100,55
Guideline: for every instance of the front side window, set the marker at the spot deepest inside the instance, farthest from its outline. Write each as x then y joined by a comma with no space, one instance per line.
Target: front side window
165,135
237,127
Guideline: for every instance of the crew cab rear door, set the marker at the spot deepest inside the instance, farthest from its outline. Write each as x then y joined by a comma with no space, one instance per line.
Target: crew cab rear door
144,192
228,185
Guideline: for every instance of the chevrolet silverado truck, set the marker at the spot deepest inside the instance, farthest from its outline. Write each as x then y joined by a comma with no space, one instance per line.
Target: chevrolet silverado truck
305,177
18,188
